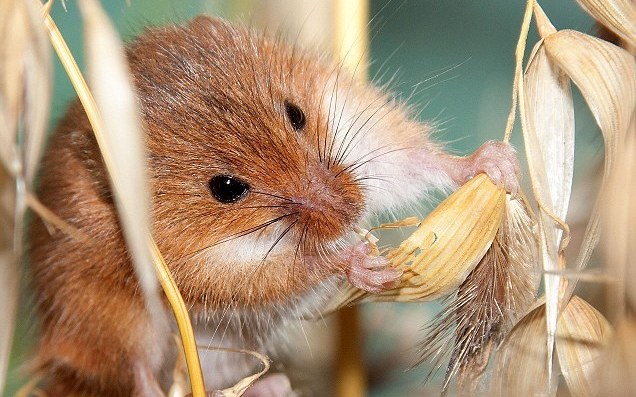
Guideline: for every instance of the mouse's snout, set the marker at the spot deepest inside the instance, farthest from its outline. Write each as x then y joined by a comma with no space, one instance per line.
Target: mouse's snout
330,201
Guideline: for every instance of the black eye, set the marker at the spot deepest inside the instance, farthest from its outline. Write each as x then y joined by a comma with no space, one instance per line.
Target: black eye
227,189
295,115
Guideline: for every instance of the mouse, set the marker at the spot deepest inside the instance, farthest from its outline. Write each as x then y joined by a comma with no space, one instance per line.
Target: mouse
262,160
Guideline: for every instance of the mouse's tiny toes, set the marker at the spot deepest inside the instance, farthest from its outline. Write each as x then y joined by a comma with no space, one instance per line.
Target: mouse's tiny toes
274,385
499,161
373,280
370,273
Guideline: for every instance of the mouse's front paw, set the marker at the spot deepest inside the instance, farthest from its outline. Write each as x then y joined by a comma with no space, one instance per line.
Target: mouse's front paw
274,385
496,159
370,273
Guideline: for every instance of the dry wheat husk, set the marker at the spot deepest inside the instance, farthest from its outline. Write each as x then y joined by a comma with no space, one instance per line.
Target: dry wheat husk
605,75
488,303
133,209
447,245
617,374
121,139
25,75
617,15
582,335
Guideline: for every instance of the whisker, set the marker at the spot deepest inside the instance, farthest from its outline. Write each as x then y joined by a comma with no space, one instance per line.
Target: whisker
278,239
253,229
338,158
345,152
242,233
330,119
344,105
359,163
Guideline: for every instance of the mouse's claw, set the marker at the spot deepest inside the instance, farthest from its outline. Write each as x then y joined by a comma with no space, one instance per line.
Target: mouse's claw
496,159
368,272
274,385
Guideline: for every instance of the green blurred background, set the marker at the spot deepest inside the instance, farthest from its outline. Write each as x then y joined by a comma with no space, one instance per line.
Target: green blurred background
453,60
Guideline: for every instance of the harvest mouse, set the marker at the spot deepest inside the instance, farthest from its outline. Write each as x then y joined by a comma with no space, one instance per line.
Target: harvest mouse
263,159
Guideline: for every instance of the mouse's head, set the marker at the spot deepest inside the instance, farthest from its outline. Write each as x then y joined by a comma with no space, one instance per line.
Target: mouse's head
263,160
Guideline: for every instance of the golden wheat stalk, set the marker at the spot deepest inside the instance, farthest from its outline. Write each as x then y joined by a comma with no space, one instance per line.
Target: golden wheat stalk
606,75
126,160
487,304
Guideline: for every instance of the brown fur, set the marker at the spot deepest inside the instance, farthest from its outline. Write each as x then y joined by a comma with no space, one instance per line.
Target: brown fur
212,102
195,96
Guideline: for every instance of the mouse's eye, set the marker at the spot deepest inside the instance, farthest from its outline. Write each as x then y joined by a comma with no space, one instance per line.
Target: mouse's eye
295,115
228,189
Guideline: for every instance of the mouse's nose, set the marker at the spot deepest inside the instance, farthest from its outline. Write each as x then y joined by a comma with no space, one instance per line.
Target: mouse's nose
330,202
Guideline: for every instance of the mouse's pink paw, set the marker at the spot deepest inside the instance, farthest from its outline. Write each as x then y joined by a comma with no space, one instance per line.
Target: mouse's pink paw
498,160
275,385
368,272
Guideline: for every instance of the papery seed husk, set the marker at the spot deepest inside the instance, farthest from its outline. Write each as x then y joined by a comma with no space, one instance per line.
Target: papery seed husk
582,336
606,76
618,15
445,247
520,363
549,142
489,302
121,142
619,230
617,374
519,368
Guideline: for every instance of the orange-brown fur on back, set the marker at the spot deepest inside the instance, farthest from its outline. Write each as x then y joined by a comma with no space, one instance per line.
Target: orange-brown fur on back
208,109
215,102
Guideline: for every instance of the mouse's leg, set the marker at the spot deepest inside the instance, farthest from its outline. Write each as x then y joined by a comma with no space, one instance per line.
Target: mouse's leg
367,272
275,385
495,158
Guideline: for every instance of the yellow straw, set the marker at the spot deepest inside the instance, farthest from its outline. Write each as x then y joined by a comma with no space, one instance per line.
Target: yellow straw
163,274
351,41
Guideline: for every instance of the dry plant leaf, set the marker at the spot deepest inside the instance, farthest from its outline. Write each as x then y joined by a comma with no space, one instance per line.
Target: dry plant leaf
488,303
122,143
38,81
617,375
25,74
582,337
618,15
549,142
163,273
544,26
606,76
9,272
619,229
549,137
519,368
582,334
445,247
